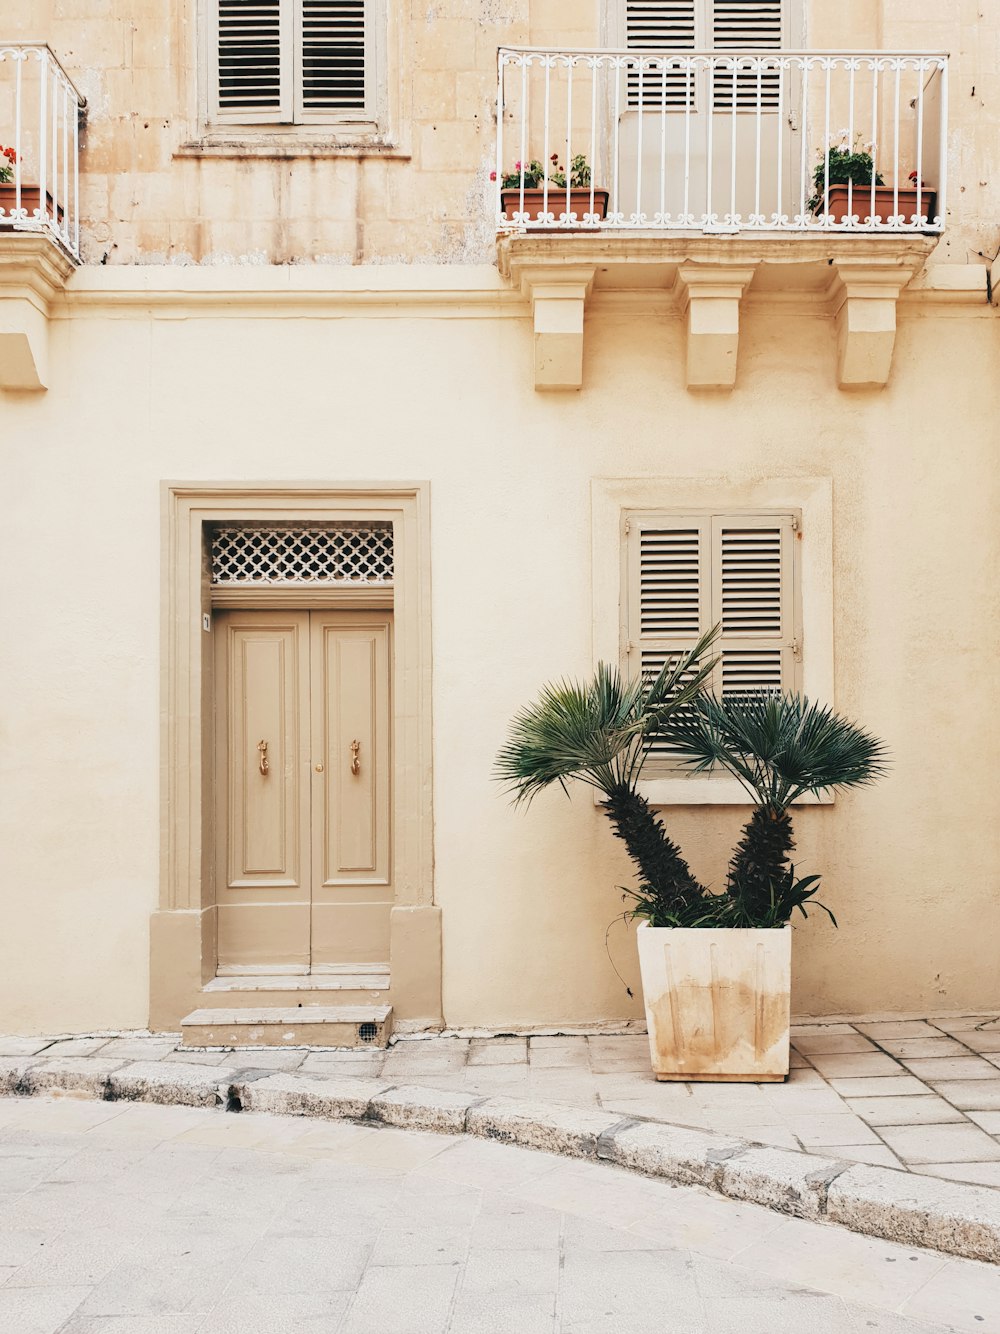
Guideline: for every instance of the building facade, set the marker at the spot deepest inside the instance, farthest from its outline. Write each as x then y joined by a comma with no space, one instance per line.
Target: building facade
322,453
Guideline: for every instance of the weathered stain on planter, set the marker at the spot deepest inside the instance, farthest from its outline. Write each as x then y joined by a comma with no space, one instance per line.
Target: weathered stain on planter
717,1002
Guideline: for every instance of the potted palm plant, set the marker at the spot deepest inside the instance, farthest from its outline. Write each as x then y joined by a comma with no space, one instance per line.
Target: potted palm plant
715,966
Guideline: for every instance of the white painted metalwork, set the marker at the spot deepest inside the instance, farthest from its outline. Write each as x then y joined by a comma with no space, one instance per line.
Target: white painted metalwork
44,110
295,554
723,141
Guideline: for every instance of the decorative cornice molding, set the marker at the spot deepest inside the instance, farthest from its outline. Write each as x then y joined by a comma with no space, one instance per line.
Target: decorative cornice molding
305,290
627,251
34,269
789,269
32,265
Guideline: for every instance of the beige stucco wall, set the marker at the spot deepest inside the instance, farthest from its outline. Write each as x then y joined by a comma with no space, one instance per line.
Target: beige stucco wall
446,395
148,197
149,387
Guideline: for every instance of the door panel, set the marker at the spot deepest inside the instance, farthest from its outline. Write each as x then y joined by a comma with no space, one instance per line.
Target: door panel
263,810
684,150
350,675
351,797
263,862
672,160
303,856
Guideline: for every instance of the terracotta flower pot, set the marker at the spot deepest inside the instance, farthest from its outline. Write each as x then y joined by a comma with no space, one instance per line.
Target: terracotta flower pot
579,203
717,1002
30,199
885,201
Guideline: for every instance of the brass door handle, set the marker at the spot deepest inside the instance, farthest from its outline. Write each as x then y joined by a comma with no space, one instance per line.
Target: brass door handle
355,757
262,747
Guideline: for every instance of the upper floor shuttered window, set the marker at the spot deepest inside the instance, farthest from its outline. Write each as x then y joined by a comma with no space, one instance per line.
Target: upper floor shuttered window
698,25
291,62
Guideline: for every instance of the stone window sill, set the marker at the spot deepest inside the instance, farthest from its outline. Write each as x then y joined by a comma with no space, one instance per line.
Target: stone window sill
720,790
248,144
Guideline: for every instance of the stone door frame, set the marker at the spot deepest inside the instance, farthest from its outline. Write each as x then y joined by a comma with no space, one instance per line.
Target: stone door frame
182,929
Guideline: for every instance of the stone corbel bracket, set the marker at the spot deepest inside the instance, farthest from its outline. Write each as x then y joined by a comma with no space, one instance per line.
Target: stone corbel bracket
863,296
558,297
710,295
33,271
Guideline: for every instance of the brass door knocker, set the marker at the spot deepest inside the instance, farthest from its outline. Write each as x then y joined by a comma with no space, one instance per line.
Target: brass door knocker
355,757
262,747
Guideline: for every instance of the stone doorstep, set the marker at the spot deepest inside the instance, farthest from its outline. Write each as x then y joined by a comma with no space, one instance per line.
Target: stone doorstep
948,1216
349,1026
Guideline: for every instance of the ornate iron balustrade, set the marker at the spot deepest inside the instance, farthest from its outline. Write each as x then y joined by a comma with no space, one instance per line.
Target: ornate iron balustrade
40,113
722,141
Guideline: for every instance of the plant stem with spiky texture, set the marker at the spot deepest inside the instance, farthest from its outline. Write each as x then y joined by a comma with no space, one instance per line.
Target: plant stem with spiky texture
761,858
664,876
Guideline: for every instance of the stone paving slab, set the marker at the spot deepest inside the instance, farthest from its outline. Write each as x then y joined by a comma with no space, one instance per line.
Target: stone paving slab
268,1224
908,1100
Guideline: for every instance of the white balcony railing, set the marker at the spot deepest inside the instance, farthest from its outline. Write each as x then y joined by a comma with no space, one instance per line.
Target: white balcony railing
39,123
722,141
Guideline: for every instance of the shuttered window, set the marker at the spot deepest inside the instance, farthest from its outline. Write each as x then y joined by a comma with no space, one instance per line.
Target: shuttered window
654,26
293,61
688,572
689,25
742,25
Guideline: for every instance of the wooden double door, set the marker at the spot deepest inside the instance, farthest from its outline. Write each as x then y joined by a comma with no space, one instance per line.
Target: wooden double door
303,778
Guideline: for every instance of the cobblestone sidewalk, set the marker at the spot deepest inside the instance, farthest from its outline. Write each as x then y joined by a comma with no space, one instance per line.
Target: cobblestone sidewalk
921,1095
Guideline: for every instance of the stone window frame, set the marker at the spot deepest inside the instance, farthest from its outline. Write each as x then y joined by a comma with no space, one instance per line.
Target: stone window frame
325,135
812,497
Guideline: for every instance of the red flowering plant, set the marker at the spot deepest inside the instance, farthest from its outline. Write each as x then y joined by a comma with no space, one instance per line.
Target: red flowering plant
8,159
534,174
579,173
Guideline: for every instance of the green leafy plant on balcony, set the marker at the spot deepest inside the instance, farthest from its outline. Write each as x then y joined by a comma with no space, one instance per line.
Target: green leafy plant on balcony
844,162
579,173
534,174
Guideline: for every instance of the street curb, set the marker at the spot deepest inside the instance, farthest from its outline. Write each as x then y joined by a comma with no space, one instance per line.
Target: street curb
948,1216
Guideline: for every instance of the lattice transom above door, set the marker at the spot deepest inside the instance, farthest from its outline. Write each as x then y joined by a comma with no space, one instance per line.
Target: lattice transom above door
345,553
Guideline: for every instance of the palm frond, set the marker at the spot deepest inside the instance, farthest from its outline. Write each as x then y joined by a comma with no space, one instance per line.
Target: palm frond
681,678
780,746
595,731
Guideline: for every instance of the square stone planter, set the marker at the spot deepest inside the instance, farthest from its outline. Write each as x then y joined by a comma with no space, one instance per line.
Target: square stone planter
717,1002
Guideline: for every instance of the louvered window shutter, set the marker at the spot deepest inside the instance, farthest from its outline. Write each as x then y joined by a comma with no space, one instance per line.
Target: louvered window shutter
254,61
669,592
656,26
746,25
291,61
334,56
753,600
688,572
